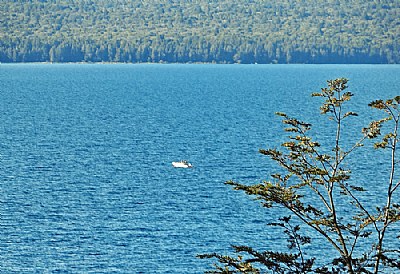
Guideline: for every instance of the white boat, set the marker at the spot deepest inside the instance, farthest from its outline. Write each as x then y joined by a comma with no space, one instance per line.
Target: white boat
182,164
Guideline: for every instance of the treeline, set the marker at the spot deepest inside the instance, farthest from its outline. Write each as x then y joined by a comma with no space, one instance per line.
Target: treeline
221,31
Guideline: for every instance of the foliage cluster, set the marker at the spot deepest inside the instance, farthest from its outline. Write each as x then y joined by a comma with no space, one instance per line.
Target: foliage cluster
316,189
222,31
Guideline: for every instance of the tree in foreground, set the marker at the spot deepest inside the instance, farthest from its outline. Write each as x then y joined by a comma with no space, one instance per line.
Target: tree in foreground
313,190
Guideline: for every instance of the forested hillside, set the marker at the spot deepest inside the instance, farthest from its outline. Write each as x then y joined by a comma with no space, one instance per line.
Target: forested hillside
222,31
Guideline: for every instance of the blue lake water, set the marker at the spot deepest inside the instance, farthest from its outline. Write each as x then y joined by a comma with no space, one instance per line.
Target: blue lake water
85,159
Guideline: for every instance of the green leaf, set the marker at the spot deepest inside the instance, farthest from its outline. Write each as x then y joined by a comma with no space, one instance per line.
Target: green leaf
357,188
350,114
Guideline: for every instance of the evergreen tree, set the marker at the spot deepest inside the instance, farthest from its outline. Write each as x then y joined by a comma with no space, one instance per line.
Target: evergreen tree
222,31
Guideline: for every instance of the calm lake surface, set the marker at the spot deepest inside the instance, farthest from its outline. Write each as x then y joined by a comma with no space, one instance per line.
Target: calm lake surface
87,183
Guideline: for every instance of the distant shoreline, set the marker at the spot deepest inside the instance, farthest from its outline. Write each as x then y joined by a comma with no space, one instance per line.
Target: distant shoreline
187,63
203,31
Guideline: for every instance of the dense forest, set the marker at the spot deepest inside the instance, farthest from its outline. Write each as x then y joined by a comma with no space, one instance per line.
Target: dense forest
220,31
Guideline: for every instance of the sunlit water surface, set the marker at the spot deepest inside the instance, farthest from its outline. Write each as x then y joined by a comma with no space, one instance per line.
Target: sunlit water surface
87,183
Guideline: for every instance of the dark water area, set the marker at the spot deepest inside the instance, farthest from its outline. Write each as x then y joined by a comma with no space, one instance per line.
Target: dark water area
87,184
